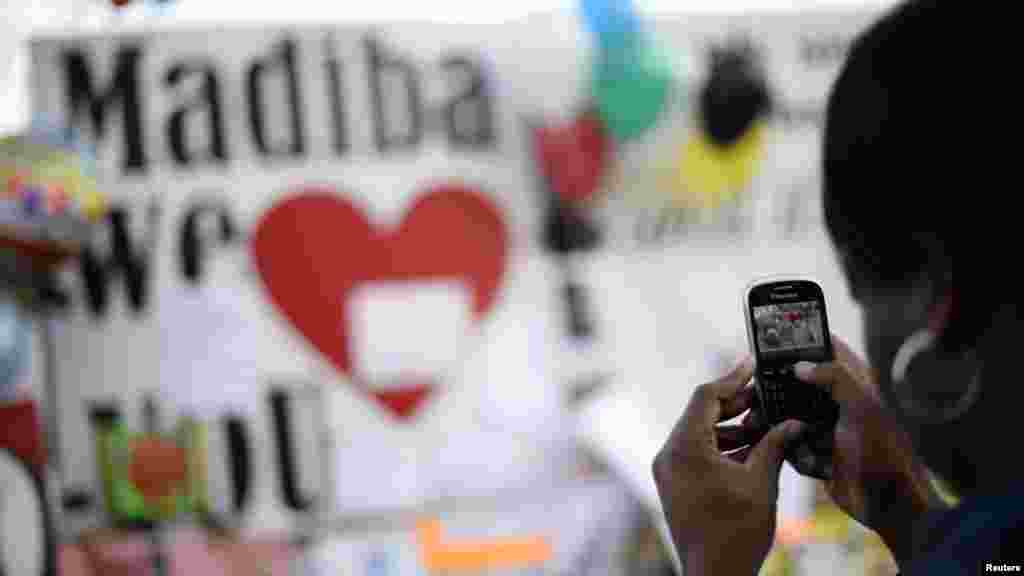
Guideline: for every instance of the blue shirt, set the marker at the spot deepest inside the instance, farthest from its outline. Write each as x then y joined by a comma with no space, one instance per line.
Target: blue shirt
984,535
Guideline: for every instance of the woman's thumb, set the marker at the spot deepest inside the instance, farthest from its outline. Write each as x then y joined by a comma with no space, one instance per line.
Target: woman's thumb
832,378
767,456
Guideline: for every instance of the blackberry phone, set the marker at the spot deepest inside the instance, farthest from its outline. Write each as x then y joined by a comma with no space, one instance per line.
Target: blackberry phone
787,323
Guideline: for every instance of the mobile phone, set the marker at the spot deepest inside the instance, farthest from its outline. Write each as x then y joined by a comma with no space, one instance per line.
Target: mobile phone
787,323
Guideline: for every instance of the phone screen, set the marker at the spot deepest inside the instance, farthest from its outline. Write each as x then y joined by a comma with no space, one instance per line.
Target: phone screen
788,329
789,323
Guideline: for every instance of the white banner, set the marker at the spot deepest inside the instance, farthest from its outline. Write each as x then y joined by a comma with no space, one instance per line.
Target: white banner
282,197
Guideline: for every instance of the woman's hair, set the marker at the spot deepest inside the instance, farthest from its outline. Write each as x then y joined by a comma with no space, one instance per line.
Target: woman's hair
882,138
913,188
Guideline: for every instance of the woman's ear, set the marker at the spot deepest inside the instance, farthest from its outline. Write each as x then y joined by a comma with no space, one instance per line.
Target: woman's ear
956,323
942,312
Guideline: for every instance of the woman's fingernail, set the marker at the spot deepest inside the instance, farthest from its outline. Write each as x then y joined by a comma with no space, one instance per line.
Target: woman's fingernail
803,370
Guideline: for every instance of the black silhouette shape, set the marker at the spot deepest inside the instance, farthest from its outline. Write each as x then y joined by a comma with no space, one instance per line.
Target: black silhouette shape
735,95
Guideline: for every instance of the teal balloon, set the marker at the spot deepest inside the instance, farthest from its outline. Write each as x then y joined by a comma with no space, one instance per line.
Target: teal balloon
630,93
620,47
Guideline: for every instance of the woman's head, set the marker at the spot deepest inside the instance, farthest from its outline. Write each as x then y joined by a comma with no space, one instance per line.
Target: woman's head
905,205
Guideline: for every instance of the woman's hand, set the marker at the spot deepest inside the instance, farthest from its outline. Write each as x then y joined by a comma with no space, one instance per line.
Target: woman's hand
877,479
721,506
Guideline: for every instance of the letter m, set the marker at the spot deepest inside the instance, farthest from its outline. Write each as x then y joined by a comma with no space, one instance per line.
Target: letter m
85,98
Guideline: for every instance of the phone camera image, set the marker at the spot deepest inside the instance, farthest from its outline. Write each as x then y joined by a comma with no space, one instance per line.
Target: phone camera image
785,329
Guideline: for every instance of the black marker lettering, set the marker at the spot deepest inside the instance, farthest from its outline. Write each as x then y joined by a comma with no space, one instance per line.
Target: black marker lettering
280,410
124,260
206,99
382,66
192,243
84,97
469,115
283,60
335,99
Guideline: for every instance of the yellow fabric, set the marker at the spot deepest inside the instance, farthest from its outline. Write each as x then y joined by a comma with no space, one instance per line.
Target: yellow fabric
706,176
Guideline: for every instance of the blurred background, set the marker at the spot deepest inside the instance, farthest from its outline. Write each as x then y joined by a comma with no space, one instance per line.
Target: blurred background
393,288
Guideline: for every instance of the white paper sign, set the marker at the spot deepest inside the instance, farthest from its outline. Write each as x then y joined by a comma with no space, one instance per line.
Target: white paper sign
413,135
410,330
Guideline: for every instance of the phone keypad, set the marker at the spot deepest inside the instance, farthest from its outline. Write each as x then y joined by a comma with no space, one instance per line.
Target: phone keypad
785,397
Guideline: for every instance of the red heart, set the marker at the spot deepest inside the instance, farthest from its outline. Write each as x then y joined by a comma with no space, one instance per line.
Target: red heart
574,157
314,248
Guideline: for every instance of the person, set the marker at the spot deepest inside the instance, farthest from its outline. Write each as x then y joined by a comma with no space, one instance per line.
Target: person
787,333
924,449
801,333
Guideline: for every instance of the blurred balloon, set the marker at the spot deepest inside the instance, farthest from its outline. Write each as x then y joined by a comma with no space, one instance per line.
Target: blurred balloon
610,18
631,89
719,161
707,175
574,157
735,96
14,343
567,224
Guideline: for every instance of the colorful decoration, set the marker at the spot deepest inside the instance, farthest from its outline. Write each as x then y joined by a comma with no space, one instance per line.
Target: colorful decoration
709,169
575,157
158,468
574,161
147,476
48,192
630,96
706,176
45,189
630,89
719,160
451,232
611,21
629,86
735,95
